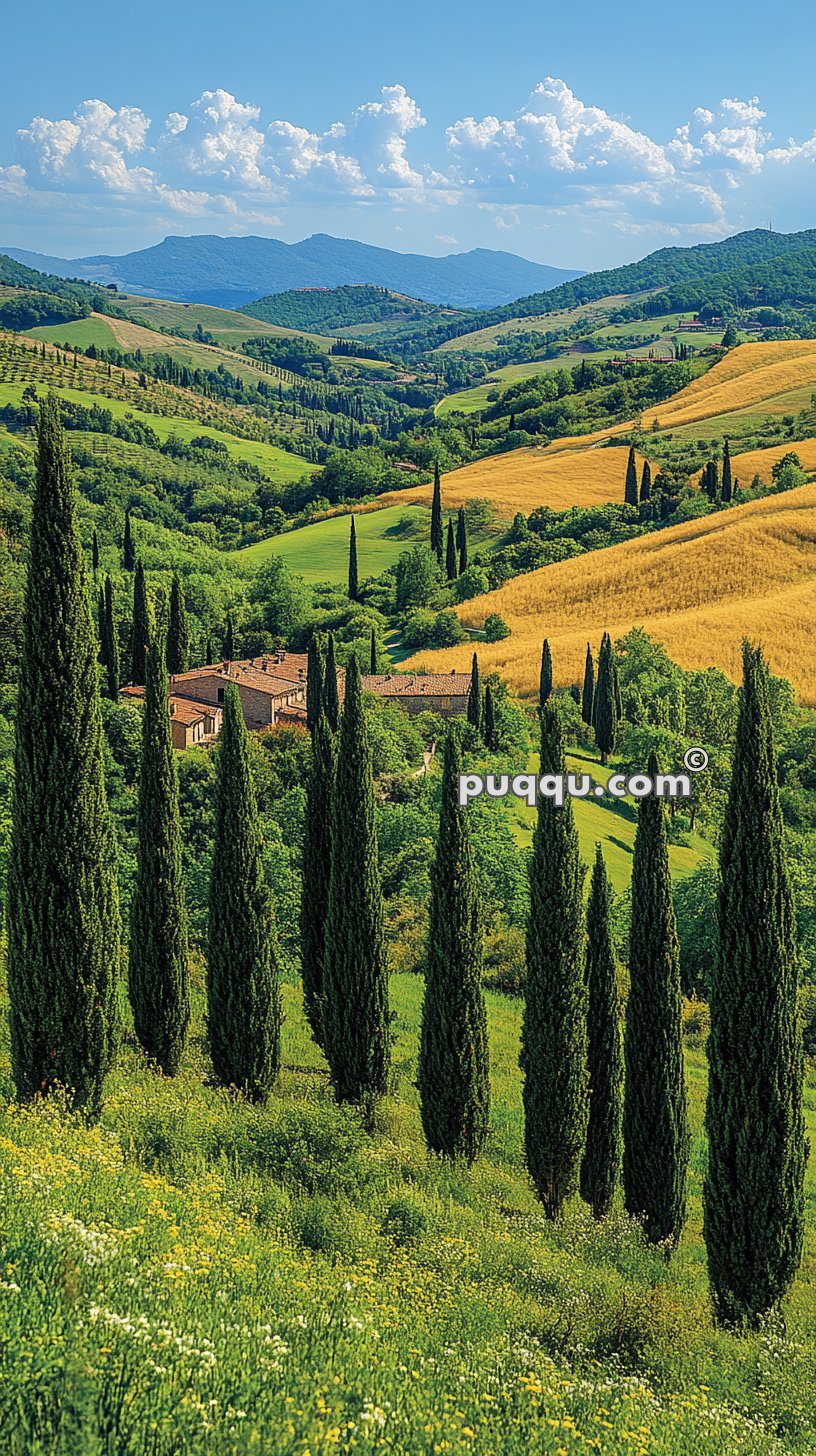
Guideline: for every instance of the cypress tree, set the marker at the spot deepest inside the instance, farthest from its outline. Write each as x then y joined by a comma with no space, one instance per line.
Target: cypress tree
331,697
178,632
229,640
554,1031
95,553
110,645
140,635
655,1130
753,1201
601,1162
630,494
489,721
157,969
646,483
545,678
605,714
128,546
208,651
100,624
243,996
727,485
317,840
453,1074
474,702
315,667
63,905
461,540
437,538
372,656
356,1020
450,553
588,694
353,585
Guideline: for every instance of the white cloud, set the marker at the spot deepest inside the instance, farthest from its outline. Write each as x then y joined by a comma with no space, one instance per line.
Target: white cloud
556,156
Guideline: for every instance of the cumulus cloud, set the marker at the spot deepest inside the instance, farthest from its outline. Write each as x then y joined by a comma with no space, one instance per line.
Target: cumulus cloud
556,156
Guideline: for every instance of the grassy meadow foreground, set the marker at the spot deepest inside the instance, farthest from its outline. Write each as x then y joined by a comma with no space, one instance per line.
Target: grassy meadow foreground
195,1274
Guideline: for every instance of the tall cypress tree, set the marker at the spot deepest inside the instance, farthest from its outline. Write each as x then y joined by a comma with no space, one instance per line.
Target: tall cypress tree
229,640
605,712
630,494
100,623
474,702
110,644
437,537
450,553
356,1020
554,1031
95,553
753,1202
140,633
727,484
489,733
128,546
63,906
588,694
601,1161
372,654
453,1074
157,969
243,996
353,584
655,1129
545,677
315,668
461,540
331,696
208,651
646,483
178,632
317,840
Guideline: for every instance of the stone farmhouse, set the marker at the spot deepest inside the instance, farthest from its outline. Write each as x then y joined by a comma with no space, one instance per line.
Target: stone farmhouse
445,693
272,691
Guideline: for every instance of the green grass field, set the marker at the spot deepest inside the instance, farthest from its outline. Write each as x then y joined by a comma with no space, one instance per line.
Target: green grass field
600,821
320,552
81,332
279,465
226,326
196,1275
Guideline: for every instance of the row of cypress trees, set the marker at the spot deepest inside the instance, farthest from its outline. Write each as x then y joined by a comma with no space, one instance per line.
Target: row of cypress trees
64,954
178,632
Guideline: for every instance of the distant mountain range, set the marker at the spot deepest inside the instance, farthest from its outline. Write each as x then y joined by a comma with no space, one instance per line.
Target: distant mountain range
229,272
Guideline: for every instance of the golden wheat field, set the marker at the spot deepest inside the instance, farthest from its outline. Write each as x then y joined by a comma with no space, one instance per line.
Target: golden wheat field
699,588
751,374
520,480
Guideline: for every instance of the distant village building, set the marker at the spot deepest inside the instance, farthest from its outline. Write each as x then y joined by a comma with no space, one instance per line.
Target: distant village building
272,691
698,326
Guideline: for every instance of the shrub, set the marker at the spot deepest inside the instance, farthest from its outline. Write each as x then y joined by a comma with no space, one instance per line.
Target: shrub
495,628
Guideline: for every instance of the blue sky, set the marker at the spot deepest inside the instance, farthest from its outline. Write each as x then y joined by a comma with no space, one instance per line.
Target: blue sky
581,137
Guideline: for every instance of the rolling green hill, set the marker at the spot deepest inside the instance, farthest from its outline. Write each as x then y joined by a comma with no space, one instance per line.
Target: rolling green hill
340,310
320,552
